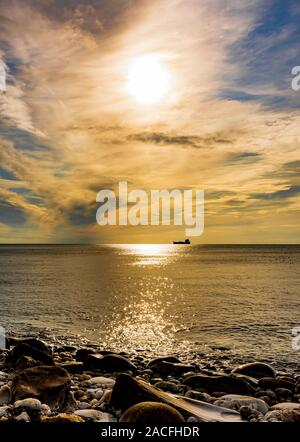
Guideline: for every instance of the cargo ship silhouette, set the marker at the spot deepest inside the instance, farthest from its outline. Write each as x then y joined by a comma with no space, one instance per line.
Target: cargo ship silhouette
187,241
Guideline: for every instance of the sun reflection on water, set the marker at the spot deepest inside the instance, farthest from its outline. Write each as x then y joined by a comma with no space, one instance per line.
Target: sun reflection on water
145,320
150,254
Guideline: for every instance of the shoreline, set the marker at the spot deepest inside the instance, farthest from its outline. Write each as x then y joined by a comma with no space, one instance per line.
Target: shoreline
91,383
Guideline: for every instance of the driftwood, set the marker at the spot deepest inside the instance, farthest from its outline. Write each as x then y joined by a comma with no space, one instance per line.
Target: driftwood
128,391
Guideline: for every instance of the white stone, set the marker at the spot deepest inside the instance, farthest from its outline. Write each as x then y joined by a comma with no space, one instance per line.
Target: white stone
3,410
23,417
102,382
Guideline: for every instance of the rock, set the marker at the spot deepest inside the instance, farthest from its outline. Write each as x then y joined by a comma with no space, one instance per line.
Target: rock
25,362
34,349
63,417
94,393
51,385
286,405
35,343
250,380
65,348
92,415
28,405
285,415
4,410
273,383
156,361
147,372
165,368
235,402
283,394
106,397
151,413
84,377
193,394
109,363
218,383
94,403
72,367
249,413
287,378
45,410
103,382
82,353
10,341
129,391
23,417
168,386
188,374
256,370
78,394
5,395
84,406
269,393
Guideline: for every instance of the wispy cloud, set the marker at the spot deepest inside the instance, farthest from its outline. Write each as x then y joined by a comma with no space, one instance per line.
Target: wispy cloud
229,125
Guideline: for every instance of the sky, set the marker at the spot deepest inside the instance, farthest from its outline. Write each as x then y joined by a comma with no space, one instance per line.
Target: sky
228,122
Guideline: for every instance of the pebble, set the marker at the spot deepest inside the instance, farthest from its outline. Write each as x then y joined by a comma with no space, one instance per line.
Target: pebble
105,398
83,405
29,404
286,415
284,393
5,394
193,394
23,417
45,410
102,382
92,415
151,413
235,402
256,370
4,410
273,390
168,386
286,405
94,403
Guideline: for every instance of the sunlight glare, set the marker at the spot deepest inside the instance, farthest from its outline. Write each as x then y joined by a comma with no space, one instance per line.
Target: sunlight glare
148,80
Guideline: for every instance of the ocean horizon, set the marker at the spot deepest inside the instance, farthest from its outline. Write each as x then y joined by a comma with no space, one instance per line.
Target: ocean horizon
158,298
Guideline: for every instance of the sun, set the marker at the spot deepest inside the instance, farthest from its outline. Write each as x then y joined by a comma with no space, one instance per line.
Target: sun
148,80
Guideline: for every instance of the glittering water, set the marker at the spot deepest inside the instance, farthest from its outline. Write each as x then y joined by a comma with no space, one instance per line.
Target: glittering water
158,298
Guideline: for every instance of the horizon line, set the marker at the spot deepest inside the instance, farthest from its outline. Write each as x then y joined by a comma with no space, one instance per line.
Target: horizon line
114,244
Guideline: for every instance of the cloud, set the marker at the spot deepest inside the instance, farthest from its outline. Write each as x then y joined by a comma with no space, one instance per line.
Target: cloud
197,142
68,127
279,194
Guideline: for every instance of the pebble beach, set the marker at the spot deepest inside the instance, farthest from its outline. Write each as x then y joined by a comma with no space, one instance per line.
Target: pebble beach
52,381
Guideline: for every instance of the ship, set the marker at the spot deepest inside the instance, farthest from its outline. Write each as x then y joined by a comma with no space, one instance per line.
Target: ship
187,241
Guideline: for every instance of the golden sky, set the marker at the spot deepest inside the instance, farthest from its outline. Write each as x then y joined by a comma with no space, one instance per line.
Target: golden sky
168,94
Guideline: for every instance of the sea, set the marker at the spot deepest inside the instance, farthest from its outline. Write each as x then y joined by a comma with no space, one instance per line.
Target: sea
157,298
